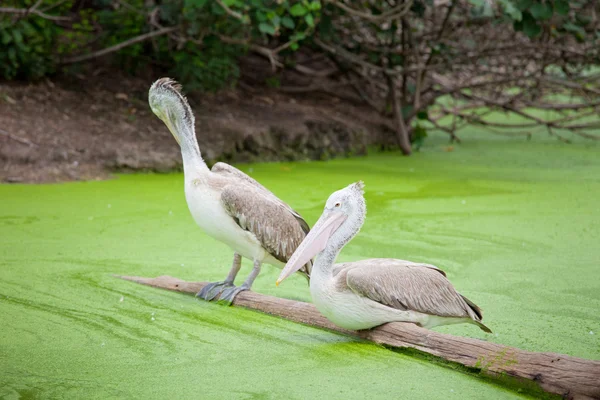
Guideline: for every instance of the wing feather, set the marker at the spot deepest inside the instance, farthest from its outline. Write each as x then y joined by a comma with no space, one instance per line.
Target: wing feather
262,214
225,169
408,286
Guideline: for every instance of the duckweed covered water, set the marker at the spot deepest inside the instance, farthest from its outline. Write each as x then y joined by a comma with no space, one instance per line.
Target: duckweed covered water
515,225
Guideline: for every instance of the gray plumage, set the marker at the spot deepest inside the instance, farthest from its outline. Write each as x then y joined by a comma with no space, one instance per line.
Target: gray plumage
278,228
405,285
224,169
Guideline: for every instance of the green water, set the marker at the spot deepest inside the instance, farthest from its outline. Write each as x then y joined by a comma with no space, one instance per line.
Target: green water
516,226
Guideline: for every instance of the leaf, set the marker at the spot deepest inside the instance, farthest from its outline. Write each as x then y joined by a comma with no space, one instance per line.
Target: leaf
6,38
571,27
541,11
12,56
326,26
294,46
419,134
275,20
576,30
261,16
298,36
266,28
315,5
195,3
561,6
523,5
288,22
528,25
532,29
513,12
582,19
396,59
423,114
418,7
309,20
18,37
482,8
298,10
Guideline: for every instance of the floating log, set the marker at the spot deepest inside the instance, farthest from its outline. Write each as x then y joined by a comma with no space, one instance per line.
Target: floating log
569,377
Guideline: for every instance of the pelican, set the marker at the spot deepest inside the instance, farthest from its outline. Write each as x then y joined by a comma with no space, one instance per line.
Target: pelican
364,294
228,204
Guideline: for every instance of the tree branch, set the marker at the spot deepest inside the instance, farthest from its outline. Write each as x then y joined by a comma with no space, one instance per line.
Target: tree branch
34,11
17,138
567,376
401,131
396,12
119,46
234,14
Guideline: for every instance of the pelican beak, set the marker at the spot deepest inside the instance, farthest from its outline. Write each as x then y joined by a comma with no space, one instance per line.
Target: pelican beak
313,243
172,129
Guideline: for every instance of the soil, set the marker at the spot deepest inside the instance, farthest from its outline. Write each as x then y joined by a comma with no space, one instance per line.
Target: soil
85,128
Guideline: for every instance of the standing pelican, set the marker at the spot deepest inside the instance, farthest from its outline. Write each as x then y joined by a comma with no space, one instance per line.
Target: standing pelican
368,293
228,204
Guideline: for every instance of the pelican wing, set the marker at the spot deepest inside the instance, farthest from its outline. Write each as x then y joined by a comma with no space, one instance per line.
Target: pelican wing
405,285
224,169
267,217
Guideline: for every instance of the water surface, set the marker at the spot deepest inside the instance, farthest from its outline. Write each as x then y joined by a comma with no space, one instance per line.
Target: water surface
515,225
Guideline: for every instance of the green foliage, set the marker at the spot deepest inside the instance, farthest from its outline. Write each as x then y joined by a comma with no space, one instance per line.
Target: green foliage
27,46
212,63
203,53
209,68
418,136
211,35
530,17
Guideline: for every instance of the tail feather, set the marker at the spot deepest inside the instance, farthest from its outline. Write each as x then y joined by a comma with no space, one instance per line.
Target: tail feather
478,312
483,327
473,307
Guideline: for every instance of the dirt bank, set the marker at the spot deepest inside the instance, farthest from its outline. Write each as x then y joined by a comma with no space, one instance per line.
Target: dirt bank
71,128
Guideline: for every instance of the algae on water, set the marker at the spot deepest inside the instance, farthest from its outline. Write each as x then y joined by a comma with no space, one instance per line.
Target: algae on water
515,225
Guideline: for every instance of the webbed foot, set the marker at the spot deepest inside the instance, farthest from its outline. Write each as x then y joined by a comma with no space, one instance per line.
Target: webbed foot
214,289
229,294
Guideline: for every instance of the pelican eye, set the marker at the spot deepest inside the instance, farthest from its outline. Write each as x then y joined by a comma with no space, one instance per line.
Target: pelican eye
337,204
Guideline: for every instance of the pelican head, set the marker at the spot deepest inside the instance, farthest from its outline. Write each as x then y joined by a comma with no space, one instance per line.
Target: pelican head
168,104
342,218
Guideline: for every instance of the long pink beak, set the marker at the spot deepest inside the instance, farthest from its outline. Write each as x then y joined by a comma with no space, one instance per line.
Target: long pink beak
313,243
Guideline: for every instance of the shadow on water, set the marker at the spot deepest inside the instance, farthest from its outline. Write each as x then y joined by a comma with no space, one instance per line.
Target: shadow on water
521,386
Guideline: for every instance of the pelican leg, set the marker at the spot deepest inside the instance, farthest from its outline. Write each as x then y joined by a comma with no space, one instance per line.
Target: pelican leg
229,294
214,289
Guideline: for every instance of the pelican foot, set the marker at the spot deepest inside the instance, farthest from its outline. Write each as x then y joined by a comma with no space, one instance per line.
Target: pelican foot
229,294
213,290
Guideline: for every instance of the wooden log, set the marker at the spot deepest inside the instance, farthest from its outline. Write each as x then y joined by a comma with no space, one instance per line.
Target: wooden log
567,376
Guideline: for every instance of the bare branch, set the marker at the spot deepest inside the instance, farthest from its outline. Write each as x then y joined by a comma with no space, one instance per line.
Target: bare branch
421,73
119,46
17,138
396,12
27,11
401,131
234,14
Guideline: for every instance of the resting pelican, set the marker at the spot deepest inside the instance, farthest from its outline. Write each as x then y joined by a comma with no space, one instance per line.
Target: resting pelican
363,294
228,204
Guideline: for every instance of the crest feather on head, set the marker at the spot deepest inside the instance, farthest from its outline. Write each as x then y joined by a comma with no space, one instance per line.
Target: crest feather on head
168,84
358,187
167,87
